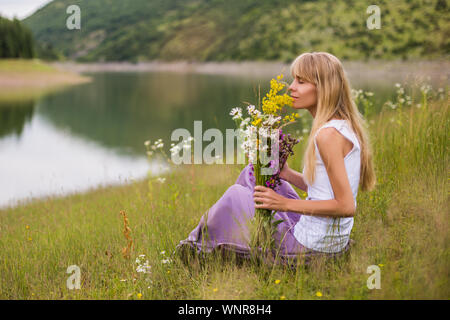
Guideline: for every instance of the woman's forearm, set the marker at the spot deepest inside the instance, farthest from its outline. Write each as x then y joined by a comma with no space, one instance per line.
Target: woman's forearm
320,208
296,178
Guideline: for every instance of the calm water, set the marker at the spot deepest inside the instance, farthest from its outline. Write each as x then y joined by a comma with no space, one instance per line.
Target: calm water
93,134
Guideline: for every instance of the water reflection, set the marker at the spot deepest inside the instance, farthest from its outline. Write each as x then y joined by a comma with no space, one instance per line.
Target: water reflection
46,160
14,116
122,110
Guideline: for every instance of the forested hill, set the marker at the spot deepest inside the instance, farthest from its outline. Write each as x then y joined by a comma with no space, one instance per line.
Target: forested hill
16,40
217,30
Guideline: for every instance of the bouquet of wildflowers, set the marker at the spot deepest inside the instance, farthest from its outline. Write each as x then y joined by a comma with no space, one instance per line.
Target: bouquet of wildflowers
267,149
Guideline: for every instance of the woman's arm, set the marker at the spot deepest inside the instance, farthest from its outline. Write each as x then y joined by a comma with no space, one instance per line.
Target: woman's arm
320,208
331,145
293,177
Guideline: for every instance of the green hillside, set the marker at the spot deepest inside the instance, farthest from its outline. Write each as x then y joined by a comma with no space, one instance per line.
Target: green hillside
218,30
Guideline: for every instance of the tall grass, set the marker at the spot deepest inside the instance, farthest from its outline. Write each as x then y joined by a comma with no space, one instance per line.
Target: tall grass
402,226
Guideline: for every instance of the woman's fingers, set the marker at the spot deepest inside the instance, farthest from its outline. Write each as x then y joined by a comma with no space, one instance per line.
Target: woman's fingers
260,188
258,199
260,195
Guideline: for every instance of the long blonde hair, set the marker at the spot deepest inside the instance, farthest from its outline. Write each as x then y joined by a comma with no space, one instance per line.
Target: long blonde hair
334,100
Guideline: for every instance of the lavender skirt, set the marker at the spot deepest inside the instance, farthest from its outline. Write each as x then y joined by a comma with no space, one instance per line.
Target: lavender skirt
225,224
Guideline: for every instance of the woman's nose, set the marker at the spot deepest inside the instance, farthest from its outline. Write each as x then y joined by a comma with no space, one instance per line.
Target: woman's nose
290,88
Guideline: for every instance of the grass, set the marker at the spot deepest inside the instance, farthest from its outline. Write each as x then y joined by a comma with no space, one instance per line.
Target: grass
401,226
25,65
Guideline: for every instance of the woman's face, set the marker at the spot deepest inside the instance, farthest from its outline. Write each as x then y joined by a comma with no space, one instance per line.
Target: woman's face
304,94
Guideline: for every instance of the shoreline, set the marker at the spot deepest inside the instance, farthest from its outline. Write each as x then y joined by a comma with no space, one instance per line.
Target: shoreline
22,79
251,68
436,71
238,67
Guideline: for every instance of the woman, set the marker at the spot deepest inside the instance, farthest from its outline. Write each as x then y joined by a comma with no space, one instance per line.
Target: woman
337,162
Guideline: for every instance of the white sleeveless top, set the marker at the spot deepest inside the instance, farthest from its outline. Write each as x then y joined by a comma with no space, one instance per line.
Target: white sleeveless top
322,233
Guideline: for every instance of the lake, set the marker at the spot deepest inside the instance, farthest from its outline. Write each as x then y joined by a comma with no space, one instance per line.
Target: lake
93,134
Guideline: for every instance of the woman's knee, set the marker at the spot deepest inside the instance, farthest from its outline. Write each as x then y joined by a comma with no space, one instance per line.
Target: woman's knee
237,189
234,205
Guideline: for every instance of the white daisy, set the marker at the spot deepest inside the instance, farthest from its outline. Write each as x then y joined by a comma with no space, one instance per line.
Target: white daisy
236,113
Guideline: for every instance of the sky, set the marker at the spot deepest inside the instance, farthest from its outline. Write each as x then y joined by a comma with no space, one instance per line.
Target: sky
20,8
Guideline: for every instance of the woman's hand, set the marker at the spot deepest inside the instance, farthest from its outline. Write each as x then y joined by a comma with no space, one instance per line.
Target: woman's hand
269,199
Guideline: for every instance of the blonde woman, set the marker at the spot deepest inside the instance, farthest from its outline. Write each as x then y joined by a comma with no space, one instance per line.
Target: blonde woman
337,162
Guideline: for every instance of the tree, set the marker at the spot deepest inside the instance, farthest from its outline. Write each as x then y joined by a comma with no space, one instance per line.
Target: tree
16,40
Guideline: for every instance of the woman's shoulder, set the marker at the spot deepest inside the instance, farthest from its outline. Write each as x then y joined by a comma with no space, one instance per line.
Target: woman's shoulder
329,130
335,136
343,126
336,123
330,137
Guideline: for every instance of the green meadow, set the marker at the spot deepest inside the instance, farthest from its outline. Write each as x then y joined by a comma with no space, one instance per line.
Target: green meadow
25,65
401,227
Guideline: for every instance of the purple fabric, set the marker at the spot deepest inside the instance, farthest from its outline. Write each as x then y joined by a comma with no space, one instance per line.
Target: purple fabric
226,222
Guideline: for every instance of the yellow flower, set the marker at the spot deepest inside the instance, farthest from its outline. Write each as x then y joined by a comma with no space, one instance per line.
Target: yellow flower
291,117
29,239
139,295
27,227
215,290
273,101
318,293
256,122
277,281
282,298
